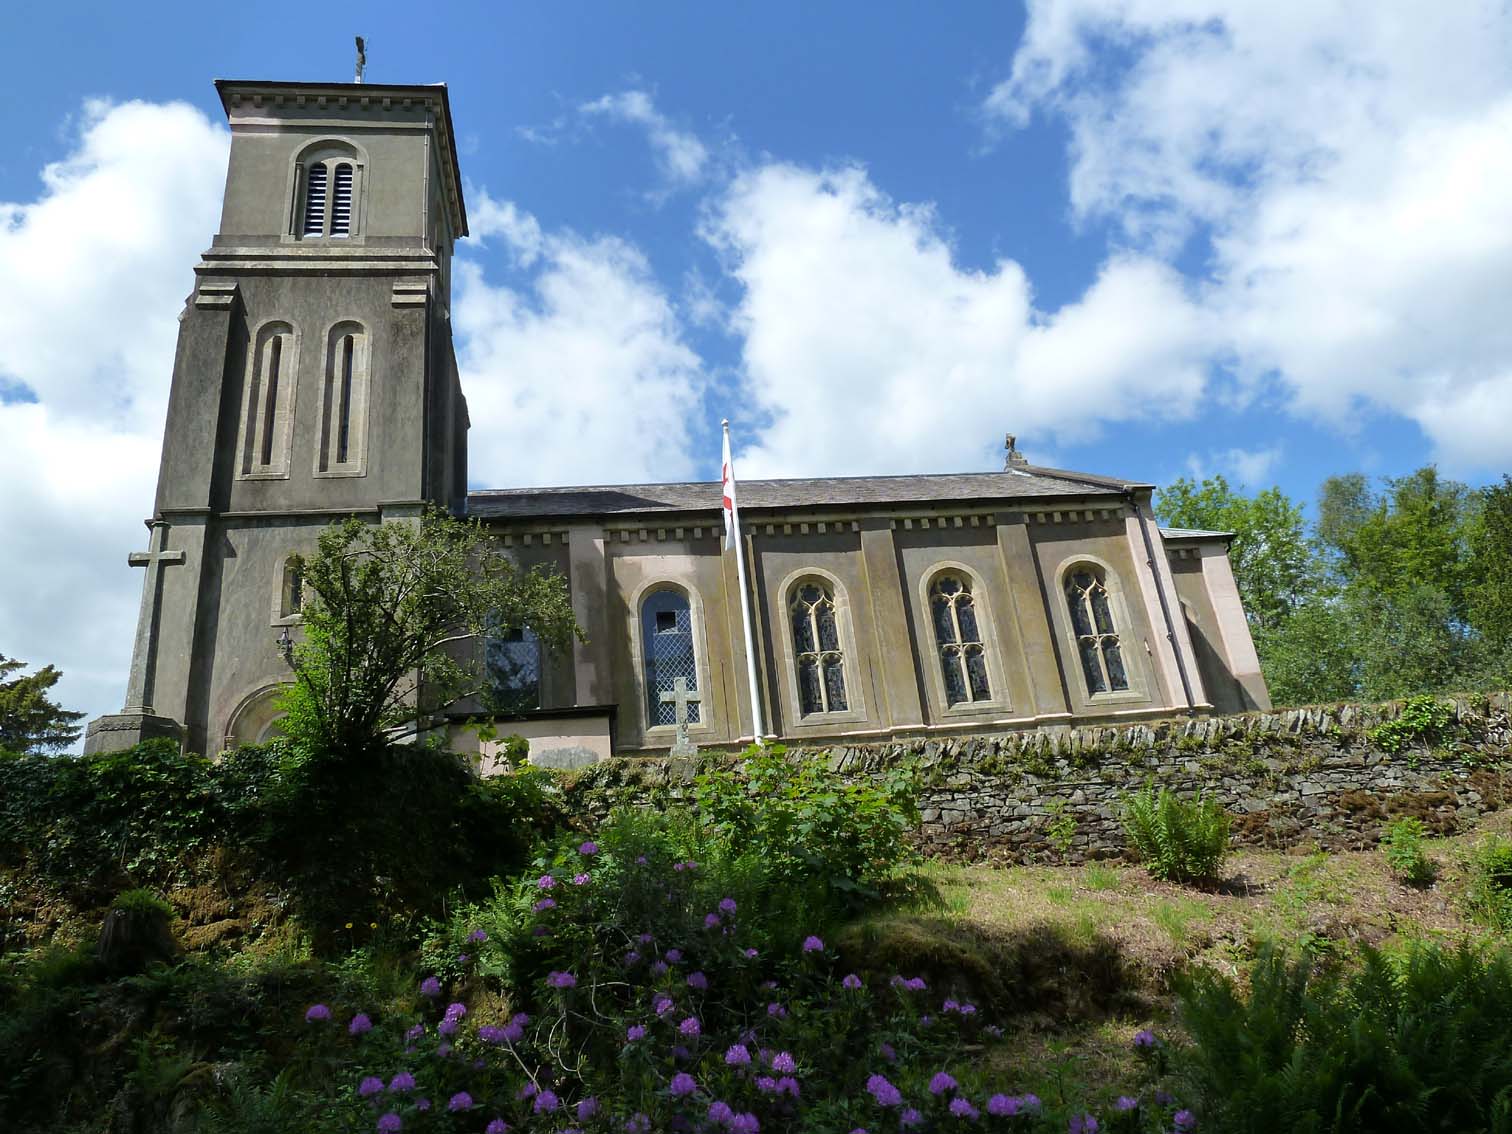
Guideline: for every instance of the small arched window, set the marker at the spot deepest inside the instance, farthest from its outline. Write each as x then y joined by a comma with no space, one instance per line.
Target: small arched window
513,663
963,658
292,591
344,403
1097,636
329,186
816,648
667,653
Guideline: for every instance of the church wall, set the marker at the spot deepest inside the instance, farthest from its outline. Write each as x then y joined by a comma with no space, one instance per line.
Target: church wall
1226,695
1104,544
557,689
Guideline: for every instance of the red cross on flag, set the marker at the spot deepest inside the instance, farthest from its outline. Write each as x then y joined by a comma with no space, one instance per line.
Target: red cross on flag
728,498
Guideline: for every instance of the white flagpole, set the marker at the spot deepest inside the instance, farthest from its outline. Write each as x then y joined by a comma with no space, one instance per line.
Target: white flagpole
728,475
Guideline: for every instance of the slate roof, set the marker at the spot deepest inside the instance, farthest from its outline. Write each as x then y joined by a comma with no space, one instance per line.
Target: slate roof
1027,482
1194,533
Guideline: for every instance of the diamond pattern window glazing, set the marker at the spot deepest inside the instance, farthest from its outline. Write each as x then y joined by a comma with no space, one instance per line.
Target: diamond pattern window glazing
667,647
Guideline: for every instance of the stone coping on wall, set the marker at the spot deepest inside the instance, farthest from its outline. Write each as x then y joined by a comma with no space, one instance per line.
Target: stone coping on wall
1314,776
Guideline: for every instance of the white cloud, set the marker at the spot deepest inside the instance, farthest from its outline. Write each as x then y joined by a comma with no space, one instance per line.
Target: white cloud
580,377
1348,161
868,349
1251,468
679,153
92,276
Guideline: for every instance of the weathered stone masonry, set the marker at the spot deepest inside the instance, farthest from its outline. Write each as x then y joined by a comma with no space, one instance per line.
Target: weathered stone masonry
1302,777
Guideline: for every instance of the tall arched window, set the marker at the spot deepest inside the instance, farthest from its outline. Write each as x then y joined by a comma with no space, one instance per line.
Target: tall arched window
667,653
267,405
513,663
292,595
344,403
963,658
816,648
1097,638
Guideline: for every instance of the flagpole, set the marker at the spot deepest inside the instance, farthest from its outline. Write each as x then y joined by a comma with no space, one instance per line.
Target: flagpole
745,593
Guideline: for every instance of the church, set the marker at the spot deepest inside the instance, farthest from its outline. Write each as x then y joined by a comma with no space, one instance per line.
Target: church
315,379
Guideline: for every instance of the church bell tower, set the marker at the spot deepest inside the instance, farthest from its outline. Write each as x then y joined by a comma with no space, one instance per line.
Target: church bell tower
314,379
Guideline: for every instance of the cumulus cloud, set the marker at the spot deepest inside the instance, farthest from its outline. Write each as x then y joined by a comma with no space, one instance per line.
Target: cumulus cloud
579,373
867,348
1345,161
679,153
93,273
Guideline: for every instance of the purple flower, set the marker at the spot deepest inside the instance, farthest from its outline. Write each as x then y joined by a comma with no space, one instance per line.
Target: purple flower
744,1124
580,879
315,1013
390,1123
497,1126
431,987
1082,1124
1002,1106
1125,1103
887,1052
370,1086
1031,1103
711,921
884,1092
588,1107
529,1090
925,1021
961,1108
720,1113
545,882
477,936
967,1009
698,980
674,956
640,860
661,1004
992,1031
659,968
727,905
401,1082
950,1006
589,847
491,1034
414,1033
910,1117
546,1102
787,1085
635,1032
738,1055
690,1026
561,980
632,958
812,944
777,1011
1165,1098
360,1025
783,1063
682,1085
941,1083
544,904
751,954
1145,1039
447,1027
443,1049
851,981
638,1123
456,1010
1184,1120
460,1101
422,1104
681,1054
766,1084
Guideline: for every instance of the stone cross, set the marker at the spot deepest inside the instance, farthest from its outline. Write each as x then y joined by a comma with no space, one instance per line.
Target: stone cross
144,653
682,697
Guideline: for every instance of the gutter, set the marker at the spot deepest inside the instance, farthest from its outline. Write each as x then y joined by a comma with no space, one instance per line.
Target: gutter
1165,606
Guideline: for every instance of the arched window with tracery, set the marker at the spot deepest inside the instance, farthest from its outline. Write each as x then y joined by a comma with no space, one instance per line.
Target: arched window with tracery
667,653
1097,635
963,657
816,648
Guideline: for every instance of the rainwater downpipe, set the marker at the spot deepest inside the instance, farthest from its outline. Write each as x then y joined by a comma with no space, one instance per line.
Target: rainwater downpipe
1165,606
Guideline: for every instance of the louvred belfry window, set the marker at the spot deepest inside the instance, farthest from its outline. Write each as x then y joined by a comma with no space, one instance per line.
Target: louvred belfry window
341,202
1097,637
963,658
316,177
816,649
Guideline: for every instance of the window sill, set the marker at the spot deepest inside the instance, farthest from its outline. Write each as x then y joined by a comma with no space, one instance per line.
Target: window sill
336,474
268,474
1122,697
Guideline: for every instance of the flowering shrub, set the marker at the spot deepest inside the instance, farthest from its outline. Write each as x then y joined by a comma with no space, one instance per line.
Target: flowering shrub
640,1000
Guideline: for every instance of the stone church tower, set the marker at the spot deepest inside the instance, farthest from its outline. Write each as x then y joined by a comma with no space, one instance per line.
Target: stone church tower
314,379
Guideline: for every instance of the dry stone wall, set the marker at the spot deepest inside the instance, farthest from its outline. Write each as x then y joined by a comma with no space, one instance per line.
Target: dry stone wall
1314,777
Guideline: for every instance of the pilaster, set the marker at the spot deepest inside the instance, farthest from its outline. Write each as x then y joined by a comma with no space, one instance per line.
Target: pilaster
588,578
1038,645
1233,627
901,703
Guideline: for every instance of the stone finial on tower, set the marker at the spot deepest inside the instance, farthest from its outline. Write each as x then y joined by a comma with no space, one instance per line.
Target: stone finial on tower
361,59
1014,459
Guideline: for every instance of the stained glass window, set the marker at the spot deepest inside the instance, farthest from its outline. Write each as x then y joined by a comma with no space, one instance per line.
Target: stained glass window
667,650
1097,639
513,662
816,648
963,659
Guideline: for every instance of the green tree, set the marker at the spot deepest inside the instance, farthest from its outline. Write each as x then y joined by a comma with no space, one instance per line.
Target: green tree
1313,656
1274,565
29,720
394,615
1489,586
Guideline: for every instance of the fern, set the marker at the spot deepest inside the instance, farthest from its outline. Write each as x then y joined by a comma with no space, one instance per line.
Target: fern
1178,840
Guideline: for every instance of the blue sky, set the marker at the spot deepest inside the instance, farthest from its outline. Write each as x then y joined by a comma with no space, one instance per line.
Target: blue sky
1151,237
